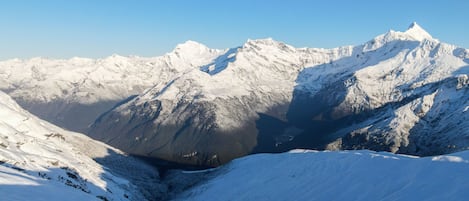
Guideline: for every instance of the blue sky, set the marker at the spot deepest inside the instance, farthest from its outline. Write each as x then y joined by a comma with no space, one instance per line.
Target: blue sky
99,28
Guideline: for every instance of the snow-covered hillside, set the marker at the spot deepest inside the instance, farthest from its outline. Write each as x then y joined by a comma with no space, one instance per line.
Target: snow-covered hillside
400,92
39,161
345,175
73,93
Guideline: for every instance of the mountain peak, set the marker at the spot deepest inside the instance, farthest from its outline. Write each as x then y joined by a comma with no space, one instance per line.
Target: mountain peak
414,25
263,41
190,44
115,58
267,43
417,32
190,48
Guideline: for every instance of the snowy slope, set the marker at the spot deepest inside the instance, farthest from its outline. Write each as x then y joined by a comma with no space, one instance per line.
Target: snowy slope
346,175
39,161
399,92
72,93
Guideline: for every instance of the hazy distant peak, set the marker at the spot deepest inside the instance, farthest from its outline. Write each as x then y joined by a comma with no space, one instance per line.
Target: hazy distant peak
190,45
263,41
266,43
116,57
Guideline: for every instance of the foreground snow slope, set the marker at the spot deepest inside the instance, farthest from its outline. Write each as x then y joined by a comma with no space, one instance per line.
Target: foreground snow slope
346,175
39,161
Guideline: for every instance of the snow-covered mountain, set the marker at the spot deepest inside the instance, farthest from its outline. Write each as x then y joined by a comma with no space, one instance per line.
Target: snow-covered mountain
207,115
401,92
40,161
345,175
73,93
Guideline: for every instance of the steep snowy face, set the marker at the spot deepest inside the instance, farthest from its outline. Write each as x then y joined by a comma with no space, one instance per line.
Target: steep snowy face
428,120
418,32
310,175
72,93
267,96
39,161
414,33
402,95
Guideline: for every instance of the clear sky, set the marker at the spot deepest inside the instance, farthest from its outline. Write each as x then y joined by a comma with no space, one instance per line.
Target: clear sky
99,28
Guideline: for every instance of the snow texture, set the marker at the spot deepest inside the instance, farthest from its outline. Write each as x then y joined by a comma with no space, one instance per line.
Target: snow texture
345,175
39,161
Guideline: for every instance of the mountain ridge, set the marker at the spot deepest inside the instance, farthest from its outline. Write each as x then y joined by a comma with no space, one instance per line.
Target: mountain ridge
269,79
196,94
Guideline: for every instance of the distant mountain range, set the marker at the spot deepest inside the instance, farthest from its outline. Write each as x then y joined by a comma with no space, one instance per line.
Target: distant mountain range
402,92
